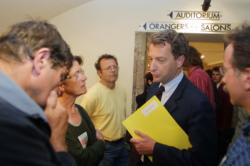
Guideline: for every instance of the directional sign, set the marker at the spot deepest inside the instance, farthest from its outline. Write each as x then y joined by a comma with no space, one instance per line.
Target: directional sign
195,15
187,27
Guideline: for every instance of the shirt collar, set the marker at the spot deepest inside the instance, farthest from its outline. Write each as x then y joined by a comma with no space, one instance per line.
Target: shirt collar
174,82
15,96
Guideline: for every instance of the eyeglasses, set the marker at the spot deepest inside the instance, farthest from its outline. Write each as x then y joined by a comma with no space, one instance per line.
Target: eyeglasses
76,75
109,68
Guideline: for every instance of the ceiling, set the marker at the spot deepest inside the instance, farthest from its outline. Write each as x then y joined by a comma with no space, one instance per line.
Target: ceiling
12,11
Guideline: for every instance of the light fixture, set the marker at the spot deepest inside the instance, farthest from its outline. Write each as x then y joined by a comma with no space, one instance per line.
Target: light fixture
206,5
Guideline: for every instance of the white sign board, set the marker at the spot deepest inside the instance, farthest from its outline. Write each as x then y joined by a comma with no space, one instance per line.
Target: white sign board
187,27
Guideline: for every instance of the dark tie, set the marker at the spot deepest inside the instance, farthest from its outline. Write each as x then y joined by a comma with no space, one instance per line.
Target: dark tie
158,94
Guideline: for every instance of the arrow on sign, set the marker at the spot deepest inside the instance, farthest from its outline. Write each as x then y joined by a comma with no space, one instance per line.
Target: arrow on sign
145,26
170,15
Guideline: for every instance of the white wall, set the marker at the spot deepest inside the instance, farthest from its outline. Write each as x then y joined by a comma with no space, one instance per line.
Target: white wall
108,26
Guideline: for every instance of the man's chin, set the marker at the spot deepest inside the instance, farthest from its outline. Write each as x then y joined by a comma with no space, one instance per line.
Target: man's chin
43,107
156,79
42,104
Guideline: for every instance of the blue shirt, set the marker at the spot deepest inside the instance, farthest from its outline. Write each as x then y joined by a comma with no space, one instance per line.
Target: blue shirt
239,153
170,87
15,95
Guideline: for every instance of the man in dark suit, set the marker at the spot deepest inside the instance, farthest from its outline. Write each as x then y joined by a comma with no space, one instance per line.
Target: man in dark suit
34,58
187,105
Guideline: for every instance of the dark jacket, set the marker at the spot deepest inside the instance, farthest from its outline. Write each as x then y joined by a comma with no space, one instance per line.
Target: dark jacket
24,139
193,112
93,153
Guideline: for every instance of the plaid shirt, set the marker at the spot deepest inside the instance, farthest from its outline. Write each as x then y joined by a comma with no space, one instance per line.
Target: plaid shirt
239,153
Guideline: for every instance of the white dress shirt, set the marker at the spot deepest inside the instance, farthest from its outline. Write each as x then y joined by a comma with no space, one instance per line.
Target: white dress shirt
170,87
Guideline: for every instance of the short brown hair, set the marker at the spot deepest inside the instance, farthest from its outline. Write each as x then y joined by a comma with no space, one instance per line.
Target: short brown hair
38,34
240,39
104,56
11,48
177,41
193,58
78,59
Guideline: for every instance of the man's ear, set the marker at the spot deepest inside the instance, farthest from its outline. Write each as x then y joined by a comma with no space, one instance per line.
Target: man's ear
247,78
99,73
41,57
180,61
60,89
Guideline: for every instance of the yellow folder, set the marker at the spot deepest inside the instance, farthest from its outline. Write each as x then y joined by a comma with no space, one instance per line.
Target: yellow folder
154,120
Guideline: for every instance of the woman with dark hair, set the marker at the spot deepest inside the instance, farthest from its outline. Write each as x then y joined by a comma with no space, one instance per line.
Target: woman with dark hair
84,143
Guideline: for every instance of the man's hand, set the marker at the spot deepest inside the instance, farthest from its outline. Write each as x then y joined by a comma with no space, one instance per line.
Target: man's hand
99,135
144,144
58,120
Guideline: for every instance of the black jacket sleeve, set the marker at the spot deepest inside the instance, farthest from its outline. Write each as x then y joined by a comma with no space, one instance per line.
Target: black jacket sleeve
25,142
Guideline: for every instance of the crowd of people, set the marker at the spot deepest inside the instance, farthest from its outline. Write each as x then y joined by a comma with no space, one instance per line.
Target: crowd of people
41,124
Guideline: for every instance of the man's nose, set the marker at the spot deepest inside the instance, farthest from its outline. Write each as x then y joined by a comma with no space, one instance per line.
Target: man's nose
152,65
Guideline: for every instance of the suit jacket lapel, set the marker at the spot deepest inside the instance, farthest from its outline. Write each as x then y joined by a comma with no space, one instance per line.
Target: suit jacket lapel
171,104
